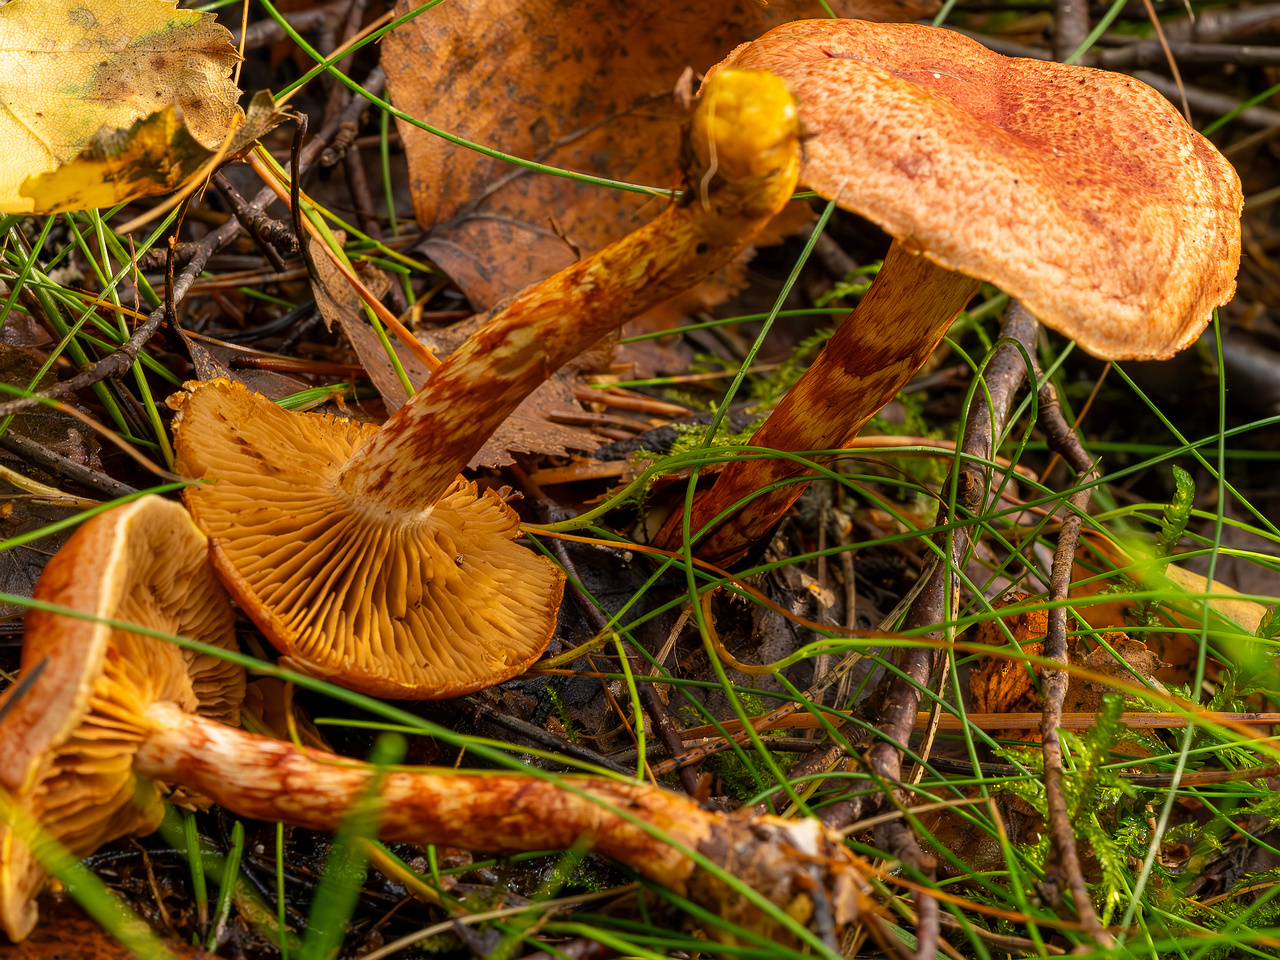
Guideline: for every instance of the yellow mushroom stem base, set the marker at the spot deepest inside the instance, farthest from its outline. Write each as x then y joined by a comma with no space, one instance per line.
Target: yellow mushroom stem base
873,353
796,864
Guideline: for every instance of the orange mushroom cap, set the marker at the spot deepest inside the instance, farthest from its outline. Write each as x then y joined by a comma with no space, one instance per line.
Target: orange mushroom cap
430,601
1081,193
67,743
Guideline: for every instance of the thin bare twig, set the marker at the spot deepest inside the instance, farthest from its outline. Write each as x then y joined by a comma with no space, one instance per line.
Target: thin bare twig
1062,439
1152,53
1169,58
1070,29
265,32
1216,26
57,465
254,223
544,737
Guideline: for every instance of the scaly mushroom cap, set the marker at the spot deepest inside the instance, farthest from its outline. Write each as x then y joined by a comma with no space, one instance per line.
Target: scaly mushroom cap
67,744
1082,193
430,601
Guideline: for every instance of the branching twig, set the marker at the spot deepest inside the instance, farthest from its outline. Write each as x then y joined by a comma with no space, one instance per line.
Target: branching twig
1063,440
348,119
257,224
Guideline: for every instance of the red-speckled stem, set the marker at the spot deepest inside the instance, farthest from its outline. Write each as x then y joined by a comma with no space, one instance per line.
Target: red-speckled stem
871,356
796,864
753,161
267,779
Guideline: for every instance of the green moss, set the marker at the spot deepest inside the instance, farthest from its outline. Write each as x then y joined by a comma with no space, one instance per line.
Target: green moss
562,714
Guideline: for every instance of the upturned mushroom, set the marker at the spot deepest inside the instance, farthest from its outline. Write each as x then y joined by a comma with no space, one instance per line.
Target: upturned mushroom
1081,193
68,743
115,714
360,552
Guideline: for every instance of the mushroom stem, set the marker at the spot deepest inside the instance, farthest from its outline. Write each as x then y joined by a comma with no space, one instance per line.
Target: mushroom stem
871,356
796,864
266,779
745,142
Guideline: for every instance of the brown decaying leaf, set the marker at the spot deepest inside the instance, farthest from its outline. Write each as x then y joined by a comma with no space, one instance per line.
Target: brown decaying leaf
1177,646
656,358
526,431
1085,696
584,86
212,362
20,567
1000,685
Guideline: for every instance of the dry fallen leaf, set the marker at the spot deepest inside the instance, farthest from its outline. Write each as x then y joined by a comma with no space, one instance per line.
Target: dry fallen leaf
141,85
1243,613
584,86
1002,685
1085,696
1153,574
1180,645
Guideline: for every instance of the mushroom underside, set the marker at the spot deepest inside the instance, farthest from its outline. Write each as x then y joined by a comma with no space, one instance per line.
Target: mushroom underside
433,602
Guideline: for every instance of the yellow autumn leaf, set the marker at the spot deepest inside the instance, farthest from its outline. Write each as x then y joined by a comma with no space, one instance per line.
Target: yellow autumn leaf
156,155
1153,573
79,75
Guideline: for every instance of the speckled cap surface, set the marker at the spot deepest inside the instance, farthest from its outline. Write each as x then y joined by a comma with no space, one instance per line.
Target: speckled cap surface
1082,193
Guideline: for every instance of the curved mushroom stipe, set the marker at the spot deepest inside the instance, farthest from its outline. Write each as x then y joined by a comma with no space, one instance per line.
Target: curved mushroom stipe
437,601
1082,193
899,322
743,158
796,864
67,745
332,536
